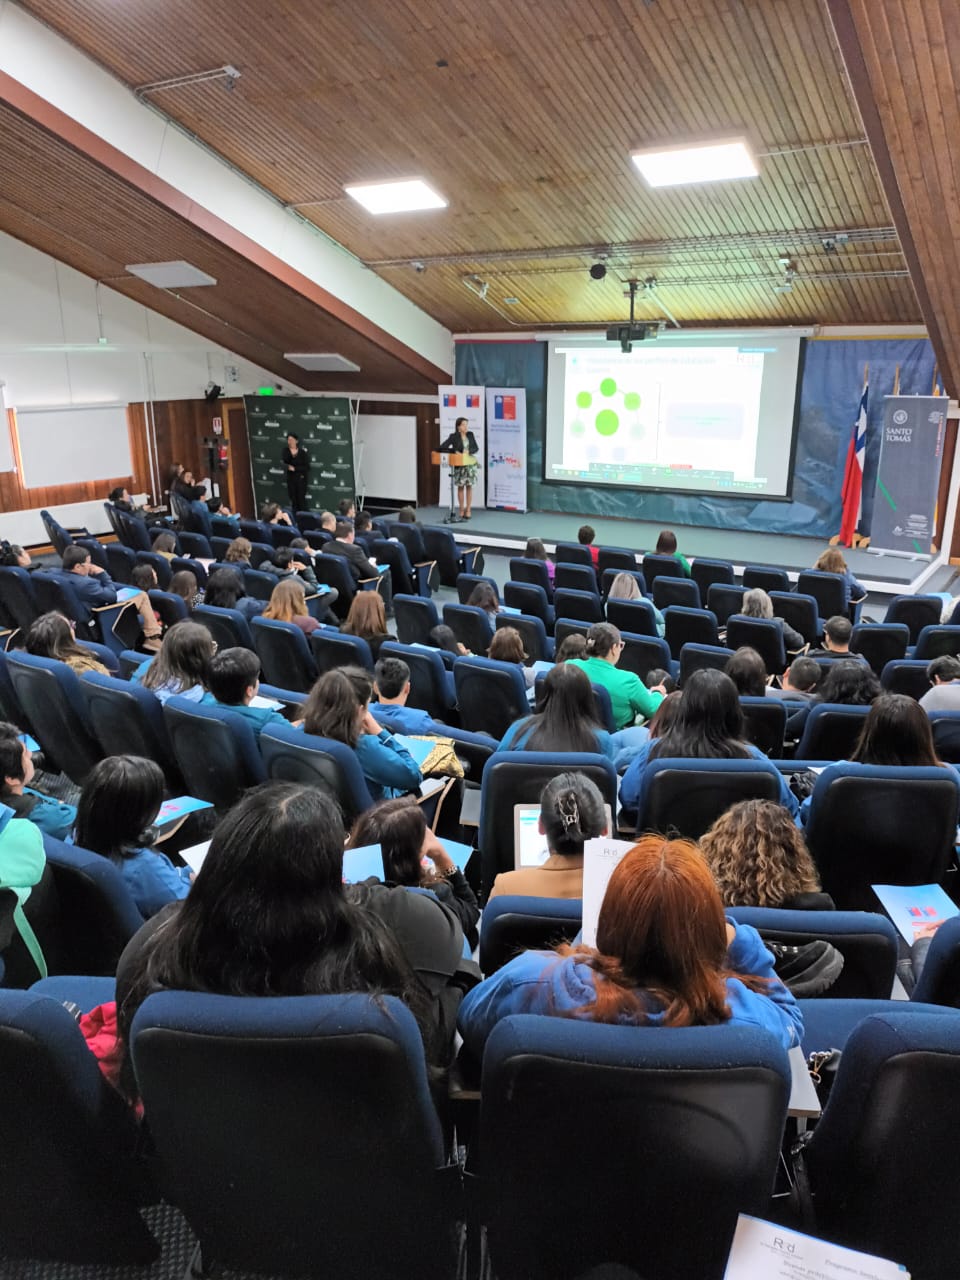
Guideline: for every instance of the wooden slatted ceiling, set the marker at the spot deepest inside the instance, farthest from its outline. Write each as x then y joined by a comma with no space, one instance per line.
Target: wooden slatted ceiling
527,131
903,57
64,204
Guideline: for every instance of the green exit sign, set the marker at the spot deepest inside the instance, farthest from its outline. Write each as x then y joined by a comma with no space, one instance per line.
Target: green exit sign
266,391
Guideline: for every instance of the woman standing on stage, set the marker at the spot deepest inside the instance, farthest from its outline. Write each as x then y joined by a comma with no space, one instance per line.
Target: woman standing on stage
462,440
296,462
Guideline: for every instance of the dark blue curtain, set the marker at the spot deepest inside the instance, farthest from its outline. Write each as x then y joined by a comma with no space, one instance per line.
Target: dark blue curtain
829,399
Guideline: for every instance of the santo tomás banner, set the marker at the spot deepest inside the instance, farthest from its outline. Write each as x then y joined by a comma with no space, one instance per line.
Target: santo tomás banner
507,448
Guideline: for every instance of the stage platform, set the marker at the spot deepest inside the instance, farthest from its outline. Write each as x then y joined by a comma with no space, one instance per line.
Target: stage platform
506,532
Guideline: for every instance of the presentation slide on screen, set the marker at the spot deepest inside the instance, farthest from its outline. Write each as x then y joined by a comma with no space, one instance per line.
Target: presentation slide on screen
702,415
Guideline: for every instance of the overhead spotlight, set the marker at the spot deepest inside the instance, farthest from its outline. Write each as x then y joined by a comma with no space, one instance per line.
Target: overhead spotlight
598,271
418,267
212,392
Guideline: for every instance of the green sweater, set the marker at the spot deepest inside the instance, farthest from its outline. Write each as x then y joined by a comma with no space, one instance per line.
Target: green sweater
628,694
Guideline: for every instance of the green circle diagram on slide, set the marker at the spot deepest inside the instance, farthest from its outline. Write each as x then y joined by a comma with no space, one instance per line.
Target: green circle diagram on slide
607,420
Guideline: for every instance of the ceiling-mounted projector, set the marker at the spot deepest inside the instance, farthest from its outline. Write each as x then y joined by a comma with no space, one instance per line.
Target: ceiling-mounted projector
628,334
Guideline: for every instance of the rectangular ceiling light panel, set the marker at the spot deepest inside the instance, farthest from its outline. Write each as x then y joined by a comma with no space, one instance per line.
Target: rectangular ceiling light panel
322,362
697,162
396,197
171,275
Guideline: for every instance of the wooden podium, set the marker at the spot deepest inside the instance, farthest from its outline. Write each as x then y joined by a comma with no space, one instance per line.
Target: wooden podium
456,460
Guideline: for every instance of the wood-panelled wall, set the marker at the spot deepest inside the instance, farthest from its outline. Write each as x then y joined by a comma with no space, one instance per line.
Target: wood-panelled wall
428,416
176,430
16,496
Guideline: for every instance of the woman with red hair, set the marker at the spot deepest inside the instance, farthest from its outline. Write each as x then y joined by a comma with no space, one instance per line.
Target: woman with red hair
665,956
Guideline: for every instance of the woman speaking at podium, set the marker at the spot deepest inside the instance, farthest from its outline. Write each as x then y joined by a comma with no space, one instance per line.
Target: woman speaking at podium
461,440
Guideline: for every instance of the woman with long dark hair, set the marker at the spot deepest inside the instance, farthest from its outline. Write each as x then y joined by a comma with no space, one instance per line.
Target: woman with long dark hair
338,707
709,726
119,803
896,732
53,636
413,856
665,956
269,915
565,718
180,668
225,590
535,550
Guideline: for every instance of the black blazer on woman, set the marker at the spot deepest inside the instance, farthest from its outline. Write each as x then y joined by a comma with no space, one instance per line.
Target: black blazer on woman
300,461
454,442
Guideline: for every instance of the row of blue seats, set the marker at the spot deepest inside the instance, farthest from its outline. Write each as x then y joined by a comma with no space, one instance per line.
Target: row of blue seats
281,1093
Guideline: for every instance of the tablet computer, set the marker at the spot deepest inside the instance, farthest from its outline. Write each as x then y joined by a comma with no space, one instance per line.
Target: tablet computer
529,846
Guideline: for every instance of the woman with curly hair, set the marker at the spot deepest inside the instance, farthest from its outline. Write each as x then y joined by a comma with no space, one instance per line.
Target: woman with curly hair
759,859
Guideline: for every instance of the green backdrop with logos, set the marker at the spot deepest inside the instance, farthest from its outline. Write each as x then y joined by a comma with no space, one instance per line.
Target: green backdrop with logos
323,425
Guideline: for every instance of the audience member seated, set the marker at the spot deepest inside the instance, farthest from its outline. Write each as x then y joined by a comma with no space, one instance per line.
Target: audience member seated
13,556
409,848
757,604
585,536
288,603
852,683
184,584
52,636
328,522
896,731
442,637
565,718
282,844
709,726
944,674
628,694
144,577
16,772
799,681
95,588
23,868
339,708
485,597
658,676
406,515
121,499
363,524
507,646
181,666
665,956
233,681
663,719
759,858
391,679
572,646
119,803
239,552
836,639
832,561
535,550
346,509
181,483
368,620
273,513
165,544
284,564
667,546
571,812
625,587
748,671
217,507
225,590
342,545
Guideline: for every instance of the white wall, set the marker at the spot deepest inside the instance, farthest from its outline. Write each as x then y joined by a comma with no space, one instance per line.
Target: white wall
385,456
44,62
50,353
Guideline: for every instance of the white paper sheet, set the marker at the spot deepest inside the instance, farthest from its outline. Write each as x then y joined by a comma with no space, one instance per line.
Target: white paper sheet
600,859
764,1251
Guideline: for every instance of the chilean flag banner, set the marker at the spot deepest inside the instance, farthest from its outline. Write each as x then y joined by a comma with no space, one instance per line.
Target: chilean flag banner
852,492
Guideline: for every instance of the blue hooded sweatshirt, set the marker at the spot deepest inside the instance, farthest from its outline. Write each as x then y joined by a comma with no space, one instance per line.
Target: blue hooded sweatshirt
542,982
